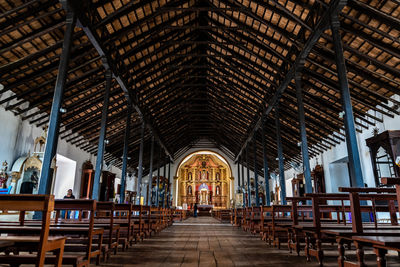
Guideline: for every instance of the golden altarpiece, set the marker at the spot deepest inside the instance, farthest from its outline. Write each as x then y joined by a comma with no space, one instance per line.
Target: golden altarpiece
204,179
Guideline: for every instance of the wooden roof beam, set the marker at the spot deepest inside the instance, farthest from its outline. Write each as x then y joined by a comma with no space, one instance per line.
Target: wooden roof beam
84,22
334,6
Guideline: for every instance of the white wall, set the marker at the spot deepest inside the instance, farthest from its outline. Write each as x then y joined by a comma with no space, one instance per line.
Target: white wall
18,136
65,176
335,172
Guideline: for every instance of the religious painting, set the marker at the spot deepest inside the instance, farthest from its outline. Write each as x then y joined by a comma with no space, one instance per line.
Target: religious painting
204,175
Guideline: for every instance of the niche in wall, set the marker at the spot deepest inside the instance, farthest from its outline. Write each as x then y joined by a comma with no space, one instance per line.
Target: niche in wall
65,176
339,174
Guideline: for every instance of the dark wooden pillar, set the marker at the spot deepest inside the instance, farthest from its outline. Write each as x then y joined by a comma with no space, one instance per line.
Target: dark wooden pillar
103,131
150,194
280,157
266,170
46,176
140,167
303,133
256,171
125,152
349,126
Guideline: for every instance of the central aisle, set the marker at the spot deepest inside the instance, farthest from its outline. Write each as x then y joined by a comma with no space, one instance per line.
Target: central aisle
204,241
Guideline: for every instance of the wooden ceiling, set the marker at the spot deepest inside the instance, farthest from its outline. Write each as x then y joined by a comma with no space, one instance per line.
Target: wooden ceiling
200,70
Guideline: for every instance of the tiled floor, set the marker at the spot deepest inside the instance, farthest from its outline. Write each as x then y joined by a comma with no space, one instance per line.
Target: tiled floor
205,242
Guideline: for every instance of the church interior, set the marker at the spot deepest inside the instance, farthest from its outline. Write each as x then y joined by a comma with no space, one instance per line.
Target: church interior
200,132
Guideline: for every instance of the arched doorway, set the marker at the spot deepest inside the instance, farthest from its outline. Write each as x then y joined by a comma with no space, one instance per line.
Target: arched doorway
204,177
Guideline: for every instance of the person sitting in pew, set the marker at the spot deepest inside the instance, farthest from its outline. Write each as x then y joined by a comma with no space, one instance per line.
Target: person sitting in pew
69,195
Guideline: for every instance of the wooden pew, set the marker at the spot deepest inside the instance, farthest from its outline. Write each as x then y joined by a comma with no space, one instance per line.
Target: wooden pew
80,233
138,219
273,225
300,214
223,215
43,242
177,215
146,217
322,232
246,219
83,231
155,220
238,216
170,217
104,216
255,220
123,217
382,239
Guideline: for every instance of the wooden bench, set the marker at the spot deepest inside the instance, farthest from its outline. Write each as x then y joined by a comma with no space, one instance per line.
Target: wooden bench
273,221
238,215
42,242
88,235
223,215
380,239
139,214
155,220
146,217
321,232
123,217
104,215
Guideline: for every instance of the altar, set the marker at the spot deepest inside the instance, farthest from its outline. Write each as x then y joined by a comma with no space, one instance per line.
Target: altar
204,210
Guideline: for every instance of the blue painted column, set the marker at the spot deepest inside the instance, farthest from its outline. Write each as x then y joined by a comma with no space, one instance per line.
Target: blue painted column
303,133
256,171
169,183
46,176
248,178
244,195
125,152
164,182
238,176
266,170
140,167
280,157
158,177
349,126
150,195
103,131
